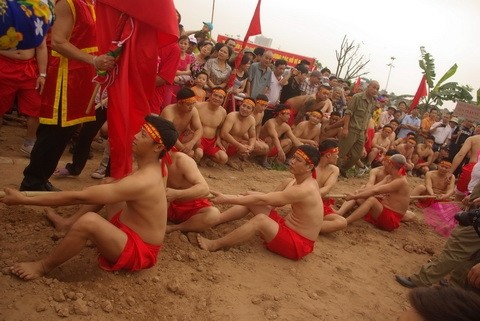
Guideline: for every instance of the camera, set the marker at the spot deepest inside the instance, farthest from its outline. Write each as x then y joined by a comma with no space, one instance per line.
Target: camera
469,218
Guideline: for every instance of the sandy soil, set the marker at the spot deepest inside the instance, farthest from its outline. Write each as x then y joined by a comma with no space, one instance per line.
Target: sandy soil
349,276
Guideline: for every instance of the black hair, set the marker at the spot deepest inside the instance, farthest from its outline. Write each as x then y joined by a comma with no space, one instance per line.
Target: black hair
394,120
280,62
167,131
261,97
312,153
387,126
305,62
332,77
440,303
185,93
327,144
391,152
302,68
430,137
245,60
278,108
259,51
249,98
201,72
325,70
335,113
183,37
411,134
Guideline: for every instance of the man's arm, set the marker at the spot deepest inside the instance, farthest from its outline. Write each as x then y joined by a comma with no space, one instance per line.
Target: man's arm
61,32
429,183
330,182
118,191
225,131
380,188
307,107
467,146
199,187
197,128
272,133
289,195
41,55
292,137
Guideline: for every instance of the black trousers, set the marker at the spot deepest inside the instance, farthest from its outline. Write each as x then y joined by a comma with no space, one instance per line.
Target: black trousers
49,147
88,132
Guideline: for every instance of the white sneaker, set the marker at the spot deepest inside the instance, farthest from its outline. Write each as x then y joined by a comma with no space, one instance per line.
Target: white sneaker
26,149
363,171
99,173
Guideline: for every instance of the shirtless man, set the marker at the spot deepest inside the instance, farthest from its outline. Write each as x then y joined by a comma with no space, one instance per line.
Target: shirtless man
187,190
300,105
471,147
439,183
308,131
380,144
134,234
22,76
386,213
261,103
327,176
292,237
407,149
186,120
375,176
278,135
212,116
331,129
238,131
405,139
321,102
423,156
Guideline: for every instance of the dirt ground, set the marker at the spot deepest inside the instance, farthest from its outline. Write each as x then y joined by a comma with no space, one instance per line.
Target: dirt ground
349,276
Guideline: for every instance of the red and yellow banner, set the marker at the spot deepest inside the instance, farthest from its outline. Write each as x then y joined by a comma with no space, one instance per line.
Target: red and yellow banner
292,59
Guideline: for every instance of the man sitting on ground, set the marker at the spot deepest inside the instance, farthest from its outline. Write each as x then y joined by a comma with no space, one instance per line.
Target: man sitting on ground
187,190
308,131
137,210
186,120
439,183
292,237
212,115
278,135
386,213
327,176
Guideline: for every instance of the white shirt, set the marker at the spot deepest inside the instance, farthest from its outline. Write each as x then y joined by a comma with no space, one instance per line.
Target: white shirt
441,133
273,93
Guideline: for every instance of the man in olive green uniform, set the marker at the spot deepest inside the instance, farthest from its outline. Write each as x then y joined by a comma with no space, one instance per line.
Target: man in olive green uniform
355,121
461,253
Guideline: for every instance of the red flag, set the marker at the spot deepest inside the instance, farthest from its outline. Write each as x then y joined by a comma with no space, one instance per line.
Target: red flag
358,82
154,25
255,28
421,92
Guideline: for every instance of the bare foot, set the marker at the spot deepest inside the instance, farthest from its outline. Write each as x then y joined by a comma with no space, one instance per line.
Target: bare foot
205,244
171,228
28,270
60,223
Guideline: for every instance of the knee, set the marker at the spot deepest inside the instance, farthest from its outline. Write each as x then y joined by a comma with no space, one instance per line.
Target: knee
86,222
221,157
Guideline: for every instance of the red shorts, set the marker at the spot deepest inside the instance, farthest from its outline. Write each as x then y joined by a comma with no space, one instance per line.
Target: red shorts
427,202
208,146
388,220
464,178
232,150
293,115
18,78
136,254
180,211
272,152
327,206
287,242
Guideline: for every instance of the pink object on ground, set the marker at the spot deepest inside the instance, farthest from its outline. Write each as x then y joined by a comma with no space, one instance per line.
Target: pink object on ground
440,216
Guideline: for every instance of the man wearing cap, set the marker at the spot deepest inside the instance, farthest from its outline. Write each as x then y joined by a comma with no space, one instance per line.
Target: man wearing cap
442,131
136,209
292,236
387,212
310,85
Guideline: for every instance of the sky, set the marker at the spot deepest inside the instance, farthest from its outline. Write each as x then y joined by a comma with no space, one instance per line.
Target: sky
449,30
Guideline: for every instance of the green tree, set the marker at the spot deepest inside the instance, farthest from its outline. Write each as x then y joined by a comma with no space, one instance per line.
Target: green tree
442,90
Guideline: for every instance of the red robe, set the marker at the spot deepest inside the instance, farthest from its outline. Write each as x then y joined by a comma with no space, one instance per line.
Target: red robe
69,81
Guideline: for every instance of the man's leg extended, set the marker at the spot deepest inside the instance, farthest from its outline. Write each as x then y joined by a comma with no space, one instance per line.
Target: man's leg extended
371,205
260,224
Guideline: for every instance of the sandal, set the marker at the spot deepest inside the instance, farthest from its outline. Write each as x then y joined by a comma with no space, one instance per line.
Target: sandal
62,173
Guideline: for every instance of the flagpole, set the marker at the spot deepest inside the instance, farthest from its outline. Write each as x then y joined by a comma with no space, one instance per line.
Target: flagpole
213,11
